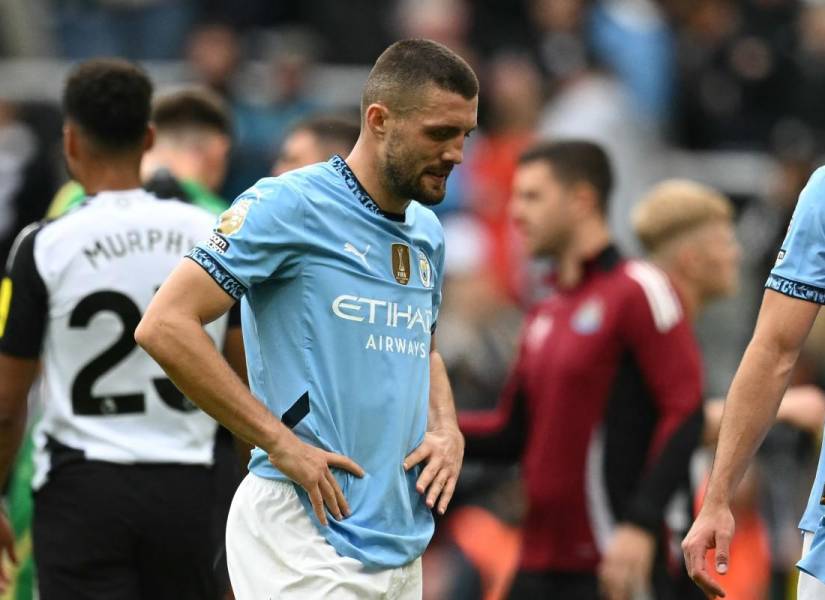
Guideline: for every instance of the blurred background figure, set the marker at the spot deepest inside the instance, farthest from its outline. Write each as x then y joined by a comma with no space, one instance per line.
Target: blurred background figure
26,176
686,229
723,92
188,161
193,136
514,96
315,140
213,54
79,437
262,123
603,405
135,29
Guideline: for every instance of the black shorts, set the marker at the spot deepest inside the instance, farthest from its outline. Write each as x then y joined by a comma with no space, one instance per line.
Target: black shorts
125,532
228,473
554,585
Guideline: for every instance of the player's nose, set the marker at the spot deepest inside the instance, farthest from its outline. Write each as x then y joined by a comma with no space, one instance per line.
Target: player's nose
454,153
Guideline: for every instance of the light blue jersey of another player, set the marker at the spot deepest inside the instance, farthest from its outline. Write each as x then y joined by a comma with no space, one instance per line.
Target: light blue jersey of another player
339,301
800,273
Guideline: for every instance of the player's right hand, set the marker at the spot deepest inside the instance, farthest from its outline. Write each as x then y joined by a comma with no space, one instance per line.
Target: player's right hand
309,467
7,548
713,528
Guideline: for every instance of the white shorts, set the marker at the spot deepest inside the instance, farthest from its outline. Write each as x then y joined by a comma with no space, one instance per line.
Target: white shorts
273,550
809,588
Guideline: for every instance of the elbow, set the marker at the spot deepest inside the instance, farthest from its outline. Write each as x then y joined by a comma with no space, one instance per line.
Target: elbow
149,334
143,334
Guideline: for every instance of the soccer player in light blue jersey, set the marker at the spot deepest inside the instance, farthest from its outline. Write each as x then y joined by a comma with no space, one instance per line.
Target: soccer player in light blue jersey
795,291
338,267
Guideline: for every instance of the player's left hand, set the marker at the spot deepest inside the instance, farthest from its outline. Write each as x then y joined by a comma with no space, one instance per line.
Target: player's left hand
443,451
626,565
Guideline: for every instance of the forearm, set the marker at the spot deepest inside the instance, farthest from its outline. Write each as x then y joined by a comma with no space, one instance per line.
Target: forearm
17,375
442,413
12,429
750,410
668,470
185,351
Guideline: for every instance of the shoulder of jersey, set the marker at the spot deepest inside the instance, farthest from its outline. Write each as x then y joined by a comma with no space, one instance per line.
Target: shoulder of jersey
818,175
427,219
656,291
86,217
298,183
186,209
51,225
26,235
816,183
302,177
425,213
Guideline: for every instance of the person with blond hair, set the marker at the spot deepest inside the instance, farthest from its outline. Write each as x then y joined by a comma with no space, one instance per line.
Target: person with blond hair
686,229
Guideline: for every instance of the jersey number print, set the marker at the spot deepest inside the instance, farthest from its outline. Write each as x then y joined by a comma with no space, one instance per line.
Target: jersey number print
83,401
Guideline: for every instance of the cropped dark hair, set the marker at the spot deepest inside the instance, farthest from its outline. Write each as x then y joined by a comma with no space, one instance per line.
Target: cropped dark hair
191,107
576,161
332,130
110,100
409,65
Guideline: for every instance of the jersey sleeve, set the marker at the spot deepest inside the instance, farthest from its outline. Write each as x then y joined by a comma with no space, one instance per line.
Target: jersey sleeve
662,342
437,284
799,271
259,237
24,303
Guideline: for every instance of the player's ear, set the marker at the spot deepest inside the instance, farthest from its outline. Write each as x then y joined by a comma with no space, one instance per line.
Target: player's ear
375,119
585,200
71,141
149,138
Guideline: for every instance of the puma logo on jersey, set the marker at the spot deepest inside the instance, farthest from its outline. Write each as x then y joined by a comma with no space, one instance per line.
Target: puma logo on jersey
362,255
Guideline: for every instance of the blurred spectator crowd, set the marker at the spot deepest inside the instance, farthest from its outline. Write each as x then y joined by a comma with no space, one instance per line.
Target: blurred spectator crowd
727,92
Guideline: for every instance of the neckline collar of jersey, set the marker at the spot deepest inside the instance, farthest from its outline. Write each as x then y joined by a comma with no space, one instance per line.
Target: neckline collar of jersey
605,260
116,194
340,165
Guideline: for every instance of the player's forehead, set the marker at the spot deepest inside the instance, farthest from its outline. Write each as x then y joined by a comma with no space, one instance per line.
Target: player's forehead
716,229
300,139
535,173
439,107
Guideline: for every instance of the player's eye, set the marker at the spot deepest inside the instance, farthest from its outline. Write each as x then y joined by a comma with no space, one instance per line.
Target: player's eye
442,134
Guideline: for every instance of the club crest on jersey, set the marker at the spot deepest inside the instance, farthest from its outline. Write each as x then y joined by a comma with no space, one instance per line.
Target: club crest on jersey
233,218
588,319
401,263
424,271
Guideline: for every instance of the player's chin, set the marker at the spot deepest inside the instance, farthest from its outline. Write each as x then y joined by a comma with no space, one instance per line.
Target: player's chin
430,200
430,195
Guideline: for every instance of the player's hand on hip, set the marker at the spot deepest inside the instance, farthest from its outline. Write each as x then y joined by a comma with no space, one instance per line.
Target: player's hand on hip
713,528
6,549
443,451
627,563
309,467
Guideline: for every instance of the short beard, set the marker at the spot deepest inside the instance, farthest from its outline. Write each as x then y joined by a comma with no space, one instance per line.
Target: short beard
398,178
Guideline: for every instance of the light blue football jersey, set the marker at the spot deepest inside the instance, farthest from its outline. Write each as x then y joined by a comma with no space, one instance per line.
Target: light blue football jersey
339,301
799,272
